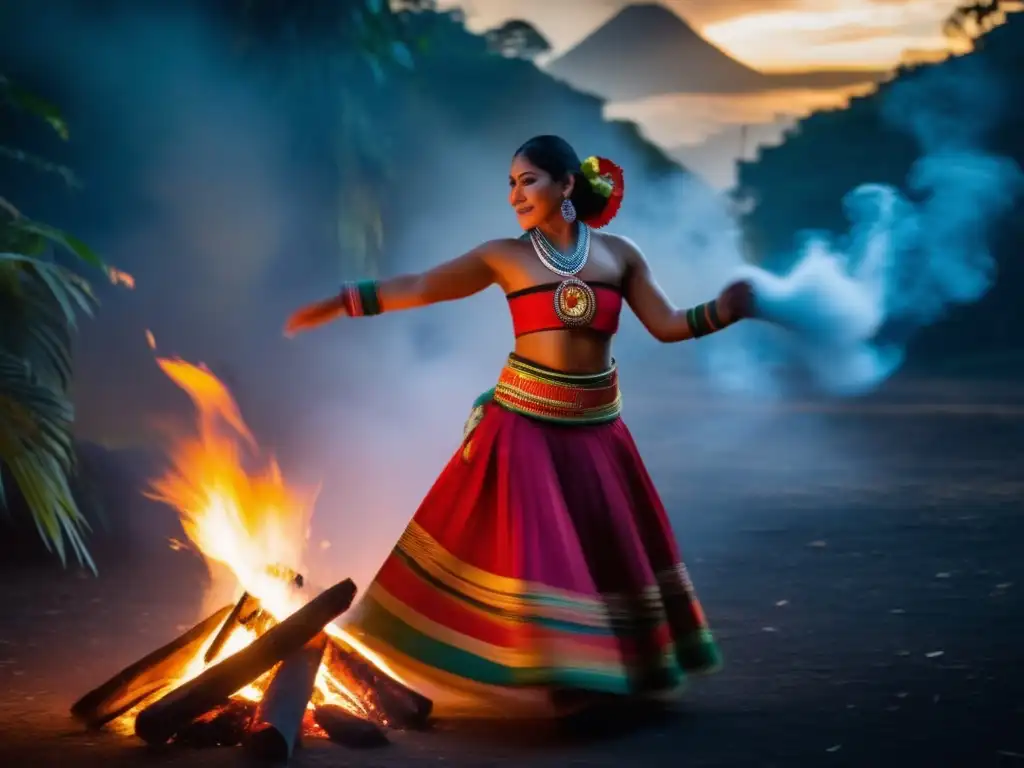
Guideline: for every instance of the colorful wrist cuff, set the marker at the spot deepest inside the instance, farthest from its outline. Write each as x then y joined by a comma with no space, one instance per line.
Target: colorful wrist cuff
361,298
703,319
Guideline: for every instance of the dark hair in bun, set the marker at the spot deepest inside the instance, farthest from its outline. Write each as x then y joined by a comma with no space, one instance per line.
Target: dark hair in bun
555,155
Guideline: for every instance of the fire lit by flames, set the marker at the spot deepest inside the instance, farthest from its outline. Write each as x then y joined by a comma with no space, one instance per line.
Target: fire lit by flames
248,520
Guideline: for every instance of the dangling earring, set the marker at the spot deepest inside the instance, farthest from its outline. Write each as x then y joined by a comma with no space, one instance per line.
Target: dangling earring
568,210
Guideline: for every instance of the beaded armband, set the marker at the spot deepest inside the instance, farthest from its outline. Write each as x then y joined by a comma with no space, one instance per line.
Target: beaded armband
361,299
703,319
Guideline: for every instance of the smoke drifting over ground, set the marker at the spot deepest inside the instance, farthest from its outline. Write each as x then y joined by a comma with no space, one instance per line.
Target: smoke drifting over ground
373,408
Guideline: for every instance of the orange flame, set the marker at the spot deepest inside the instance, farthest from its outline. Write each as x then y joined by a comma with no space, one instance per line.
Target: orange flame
250,521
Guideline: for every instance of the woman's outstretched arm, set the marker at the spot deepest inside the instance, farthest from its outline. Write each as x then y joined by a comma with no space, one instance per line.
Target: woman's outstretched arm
456,279
459,278
660,317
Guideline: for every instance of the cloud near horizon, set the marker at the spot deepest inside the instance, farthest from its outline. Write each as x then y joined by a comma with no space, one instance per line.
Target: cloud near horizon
771,34
855,33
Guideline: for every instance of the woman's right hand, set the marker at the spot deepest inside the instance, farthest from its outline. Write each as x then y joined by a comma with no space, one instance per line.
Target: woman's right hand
314,315
736,302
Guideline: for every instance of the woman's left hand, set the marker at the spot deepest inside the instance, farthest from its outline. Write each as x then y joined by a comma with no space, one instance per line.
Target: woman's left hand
736,302
313,315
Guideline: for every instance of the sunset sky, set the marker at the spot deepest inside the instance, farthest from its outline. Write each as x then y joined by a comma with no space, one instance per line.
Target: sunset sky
775,34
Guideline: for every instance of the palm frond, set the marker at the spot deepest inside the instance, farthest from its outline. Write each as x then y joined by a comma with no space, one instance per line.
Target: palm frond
40,301
37,449
32,326
36,445
71,292
49,348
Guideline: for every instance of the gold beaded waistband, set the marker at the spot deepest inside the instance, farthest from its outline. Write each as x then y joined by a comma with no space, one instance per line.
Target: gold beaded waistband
541,393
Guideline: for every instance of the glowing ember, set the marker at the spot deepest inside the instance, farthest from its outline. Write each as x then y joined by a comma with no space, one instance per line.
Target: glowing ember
120,277
248,520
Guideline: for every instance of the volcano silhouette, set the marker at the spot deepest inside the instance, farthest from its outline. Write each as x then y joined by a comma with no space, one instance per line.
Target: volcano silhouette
647,50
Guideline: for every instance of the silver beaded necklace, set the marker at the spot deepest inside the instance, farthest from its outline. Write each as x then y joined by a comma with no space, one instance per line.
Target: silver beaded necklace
560,263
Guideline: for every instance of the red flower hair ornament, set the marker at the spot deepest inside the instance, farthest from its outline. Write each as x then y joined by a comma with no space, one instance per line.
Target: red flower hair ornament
605,178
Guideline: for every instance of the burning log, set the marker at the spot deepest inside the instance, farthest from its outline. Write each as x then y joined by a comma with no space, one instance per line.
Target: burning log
146,677
164,718
277,724
246,607
342,727
248,612
221,727
388,702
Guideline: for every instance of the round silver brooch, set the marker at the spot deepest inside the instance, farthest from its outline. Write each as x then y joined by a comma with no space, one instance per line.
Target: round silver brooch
575,303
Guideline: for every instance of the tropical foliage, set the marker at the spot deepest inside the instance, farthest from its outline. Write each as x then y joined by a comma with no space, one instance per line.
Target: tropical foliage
369,84
40,300
969,22
518,39
318,59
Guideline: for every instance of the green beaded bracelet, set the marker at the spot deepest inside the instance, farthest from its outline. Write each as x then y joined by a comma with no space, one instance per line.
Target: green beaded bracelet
703,319
361,298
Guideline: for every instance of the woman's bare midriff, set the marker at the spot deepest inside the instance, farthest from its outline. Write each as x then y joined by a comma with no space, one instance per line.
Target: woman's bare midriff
572,351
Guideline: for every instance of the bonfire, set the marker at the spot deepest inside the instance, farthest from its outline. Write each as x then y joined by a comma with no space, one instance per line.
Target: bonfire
273,666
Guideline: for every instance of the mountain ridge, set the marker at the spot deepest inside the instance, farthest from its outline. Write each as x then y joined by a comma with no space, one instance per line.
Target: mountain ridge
648,50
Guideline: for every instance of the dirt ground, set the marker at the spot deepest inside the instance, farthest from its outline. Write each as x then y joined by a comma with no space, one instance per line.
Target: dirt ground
868,599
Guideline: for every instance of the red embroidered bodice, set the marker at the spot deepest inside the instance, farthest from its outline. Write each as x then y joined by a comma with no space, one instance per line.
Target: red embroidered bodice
536,308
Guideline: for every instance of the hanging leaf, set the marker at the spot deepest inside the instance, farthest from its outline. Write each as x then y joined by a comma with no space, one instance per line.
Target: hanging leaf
18,241
34,105
72,244
44,166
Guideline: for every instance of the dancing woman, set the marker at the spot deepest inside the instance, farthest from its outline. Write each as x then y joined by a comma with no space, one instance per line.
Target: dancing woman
541,566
